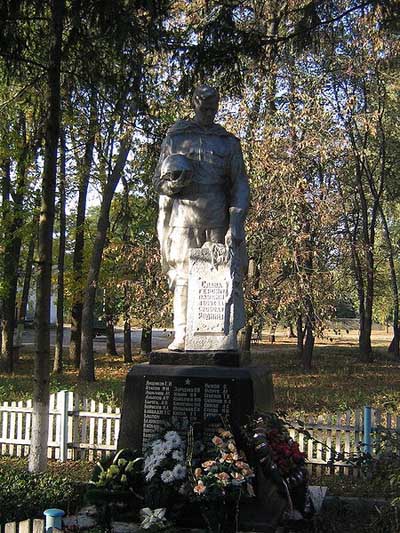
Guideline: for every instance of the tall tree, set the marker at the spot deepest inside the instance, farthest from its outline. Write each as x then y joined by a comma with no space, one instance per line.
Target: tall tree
40,413
84,168
86,369
58,349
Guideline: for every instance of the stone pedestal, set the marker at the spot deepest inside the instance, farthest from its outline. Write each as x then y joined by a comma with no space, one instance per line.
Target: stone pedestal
230,358
160,397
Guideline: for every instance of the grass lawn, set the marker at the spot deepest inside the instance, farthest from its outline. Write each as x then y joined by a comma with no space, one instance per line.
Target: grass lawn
338,382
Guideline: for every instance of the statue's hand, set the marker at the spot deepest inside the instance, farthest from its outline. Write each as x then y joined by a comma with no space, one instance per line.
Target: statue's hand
174,182
235,234
228,239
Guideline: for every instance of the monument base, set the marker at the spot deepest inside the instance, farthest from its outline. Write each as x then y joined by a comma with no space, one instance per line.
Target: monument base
196,358
161,397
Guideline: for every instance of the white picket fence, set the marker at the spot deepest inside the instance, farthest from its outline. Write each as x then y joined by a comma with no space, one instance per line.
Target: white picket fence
78,428
84,429
336,439
27,526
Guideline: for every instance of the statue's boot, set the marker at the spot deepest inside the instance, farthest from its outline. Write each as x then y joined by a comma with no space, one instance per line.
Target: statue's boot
180,306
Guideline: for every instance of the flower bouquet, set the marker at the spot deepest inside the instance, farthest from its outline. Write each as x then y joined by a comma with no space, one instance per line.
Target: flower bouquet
219,482
165,473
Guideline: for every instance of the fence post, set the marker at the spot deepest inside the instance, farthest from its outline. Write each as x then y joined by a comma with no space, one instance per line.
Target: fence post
367,430
62,408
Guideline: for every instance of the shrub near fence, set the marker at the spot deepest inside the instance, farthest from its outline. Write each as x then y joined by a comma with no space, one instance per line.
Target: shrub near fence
85,429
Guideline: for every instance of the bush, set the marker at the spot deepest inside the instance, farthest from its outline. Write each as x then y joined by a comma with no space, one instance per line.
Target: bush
24,495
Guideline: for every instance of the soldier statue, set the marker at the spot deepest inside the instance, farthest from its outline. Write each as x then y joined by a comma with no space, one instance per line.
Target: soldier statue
204,196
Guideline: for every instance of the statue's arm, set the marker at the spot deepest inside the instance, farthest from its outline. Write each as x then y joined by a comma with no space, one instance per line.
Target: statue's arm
239,195
240,192
158,183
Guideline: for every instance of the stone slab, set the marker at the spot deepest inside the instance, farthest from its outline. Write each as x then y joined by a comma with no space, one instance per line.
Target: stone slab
195,358
160,397
215,305
263,388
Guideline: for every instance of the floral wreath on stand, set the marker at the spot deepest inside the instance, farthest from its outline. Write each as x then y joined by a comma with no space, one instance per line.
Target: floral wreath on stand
280,460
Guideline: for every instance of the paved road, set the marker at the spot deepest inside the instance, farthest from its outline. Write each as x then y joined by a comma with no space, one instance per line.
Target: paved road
161,338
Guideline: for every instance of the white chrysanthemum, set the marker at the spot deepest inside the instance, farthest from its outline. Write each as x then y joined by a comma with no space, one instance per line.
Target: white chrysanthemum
178,455
151,462
161,449
167,476
165,448
179,471
156,443
150,474
173,438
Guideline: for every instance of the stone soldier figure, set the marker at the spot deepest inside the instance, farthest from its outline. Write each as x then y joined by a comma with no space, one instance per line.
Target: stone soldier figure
204,195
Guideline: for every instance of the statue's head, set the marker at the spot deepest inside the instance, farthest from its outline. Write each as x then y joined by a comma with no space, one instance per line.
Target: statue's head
205,103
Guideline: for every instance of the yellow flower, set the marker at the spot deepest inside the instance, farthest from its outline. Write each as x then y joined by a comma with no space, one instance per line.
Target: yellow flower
198,473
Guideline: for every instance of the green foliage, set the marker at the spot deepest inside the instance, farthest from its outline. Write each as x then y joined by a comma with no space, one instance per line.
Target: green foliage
24,495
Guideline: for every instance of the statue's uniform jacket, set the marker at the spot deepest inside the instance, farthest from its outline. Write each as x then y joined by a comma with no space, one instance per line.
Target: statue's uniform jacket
200,212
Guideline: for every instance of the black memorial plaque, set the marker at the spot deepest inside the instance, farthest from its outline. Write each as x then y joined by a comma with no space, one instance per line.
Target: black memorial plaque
159,397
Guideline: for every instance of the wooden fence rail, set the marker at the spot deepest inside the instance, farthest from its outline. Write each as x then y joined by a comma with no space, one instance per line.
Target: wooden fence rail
84,429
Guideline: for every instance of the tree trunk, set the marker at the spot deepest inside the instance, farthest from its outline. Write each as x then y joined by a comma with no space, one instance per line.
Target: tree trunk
291,334
365,345
40,413
12,250
77,305
364,338
110,332
58,352
300,336
6,347
86,369
127,329
308,347
127,341
395,289
309,338
23,304
145,341
272,333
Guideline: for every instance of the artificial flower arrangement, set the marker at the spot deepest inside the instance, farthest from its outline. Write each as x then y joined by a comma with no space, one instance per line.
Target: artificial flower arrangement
116,486
279,458
177,476
220,480
165,472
